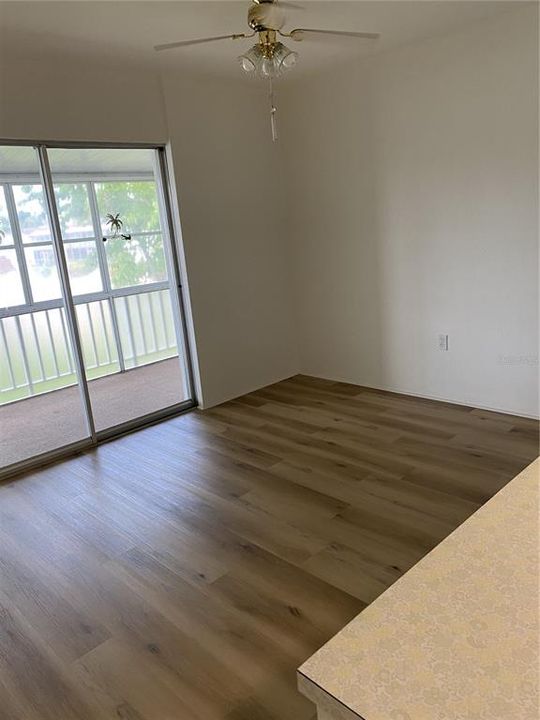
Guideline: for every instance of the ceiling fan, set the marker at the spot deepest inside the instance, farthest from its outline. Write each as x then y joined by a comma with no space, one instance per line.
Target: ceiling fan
268,57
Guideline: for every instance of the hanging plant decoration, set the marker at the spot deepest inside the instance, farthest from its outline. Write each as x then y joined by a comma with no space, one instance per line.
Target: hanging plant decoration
115,225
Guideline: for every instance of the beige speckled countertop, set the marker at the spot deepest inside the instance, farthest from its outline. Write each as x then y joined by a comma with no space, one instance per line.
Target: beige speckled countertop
455,638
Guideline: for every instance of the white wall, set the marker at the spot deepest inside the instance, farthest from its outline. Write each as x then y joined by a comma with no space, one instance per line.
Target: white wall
44,100
228,178
415,187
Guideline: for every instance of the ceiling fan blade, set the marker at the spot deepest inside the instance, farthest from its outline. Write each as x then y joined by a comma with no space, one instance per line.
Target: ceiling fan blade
299,33
185,43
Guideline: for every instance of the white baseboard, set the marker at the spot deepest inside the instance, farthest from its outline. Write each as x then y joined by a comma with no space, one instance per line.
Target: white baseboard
439,398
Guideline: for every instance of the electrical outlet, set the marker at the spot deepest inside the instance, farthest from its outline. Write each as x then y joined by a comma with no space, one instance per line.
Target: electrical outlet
443,342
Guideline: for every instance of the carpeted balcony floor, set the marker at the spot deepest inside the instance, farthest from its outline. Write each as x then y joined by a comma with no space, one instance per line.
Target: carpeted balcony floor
49,421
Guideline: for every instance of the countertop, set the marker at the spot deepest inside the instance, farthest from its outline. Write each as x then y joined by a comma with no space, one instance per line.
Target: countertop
456,637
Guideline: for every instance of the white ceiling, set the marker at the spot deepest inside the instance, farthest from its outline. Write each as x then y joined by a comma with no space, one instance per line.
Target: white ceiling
121,32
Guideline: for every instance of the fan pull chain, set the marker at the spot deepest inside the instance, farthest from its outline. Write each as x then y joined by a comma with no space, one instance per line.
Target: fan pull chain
273,111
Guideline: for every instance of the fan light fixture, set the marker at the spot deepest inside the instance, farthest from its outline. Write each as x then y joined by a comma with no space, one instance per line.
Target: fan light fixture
269,58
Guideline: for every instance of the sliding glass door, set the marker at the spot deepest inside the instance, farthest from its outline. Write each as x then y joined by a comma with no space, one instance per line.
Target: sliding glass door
92,262
38,353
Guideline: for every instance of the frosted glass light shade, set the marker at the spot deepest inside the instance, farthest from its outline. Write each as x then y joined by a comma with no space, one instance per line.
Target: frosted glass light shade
256,62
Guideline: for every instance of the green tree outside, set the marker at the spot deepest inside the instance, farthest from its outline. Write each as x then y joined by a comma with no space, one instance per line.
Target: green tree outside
139,260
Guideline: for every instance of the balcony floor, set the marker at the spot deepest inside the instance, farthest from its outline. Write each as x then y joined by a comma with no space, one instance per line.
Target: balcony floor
46,422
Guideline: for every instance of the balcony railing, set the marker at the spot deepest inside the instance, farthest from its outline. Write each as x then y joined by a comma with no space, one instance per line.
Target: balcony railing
125,330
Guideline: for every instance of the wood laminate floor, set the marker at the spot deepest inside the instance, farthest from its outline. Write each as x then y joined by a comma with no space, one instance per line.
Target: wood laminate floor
183,572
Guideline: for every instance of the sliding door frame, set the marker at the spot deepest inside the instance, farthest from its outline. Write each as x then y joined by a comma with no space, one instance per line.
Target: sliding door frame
179,303
65,286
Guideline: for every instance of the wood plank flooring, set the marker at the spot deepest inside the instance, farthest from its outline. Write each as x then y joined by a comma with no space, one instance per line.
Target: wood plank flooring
183,572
